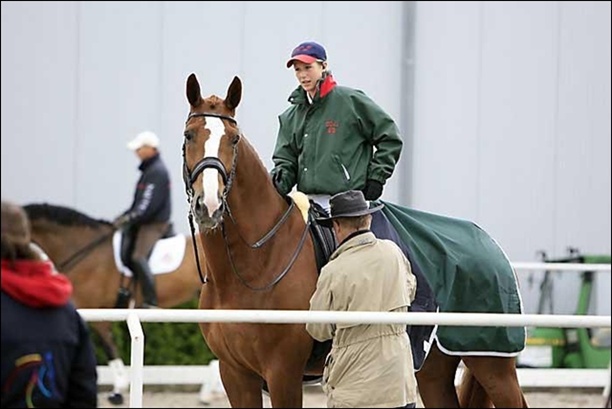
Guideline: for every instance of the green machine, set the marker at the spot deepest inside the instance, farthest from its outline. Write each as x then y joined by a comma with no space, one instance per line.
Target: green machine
568,347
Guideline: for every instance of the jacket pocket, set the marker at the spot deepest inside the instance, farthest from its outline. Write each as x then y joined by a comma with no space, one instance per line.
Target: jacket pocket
343,170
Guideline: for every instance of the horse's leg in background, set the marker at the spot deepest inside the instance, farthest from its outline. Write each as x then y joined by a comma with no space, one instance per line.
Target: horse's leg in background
471,393
121,380
436,380
243,387
498,377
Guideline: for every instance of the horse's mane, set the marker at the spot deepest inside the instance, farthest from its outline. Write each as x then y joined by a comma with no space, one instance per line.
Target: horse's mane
61,215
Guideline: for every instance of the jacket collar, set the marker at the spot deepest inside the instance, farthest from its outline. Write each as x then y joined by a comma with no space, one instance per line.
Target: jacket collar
35,283
357,239
147,162
326,85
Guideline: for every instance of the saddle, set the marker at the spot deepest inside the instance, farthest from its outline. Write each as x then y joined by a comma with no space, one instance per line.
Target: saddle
322,237
324,245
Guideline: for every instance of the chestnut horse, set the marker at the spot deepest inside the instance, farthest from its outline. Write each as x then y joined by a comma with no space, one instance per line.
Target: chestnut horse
81,248
259,255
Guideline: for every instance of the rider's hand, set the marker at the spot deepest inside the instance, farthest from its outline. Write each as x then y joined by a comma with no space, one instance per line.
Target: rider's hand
276,180
121,221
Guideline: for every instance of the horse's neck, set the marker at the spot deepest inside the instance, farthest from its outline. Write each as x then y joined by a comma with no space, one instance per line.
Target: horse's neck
254,203
255,208
62,242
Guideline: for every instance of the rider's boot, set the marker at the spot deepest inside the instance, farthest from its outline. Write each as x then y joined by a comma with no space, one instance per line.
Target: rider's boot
147,283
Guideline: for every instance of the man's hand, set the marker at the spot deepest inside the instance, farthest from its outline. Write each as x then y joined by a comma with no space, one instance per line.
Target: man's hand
121,221
373,189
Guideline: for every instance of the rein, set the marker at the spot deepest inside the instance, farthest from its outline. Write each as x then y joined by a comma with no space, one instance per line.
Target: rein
270,234
82,252
189,177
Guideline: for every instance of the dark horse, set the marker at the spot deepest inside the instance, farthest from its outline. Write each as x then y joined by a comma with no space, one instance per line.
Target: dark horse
259,255
81,248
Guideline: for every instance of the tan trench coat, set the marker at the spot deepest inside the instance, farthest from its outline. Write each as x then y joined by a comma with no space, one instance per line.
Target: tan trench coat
369,365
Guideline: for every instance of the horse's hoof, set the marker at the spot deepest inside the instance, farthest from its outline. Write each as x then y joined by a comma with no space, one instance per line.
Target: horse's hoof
115,398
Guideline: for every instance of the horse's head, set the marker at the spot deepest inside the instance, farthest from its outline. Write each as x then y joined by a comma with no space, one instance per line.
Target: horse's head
209,151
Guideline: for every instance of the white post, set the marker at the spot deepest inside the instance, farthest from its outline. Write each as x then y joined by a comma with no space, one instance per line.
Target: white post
212,387
137,359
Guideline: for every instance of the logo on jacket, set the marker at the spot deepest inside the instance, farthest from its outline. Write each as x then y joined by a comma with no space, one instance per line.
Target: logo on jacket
37,372
331,126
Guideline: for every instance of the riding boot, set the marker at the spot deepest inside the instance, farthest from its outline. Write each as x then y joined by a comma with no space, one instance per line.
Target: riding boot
147,283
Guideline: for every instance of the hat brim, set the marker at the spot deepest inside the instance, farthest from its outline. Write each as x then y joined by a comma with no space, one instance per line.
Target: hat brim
134,145
306,59
327,221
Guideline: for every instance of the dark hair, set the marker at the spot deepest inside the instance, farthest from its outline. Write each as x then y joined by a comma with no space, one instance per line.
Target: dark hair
17,251
16,234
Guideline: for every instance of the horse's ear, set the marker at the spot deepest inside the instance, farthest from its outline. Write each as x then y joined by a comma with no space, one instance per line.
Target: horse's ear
234,94
193,91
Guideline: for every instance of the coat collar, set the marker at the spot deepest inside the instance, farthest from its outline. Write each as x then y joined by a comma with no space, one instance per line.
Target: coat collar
361,238
326,85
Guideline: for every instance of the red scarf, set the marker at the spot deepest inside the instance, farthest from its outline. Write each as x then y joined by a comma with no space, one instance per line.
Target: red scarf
35,283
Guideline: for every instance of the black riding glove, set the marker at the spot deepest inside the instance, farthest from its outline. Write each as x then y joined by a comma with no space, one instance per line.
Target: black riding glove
373,189
122,221
276,180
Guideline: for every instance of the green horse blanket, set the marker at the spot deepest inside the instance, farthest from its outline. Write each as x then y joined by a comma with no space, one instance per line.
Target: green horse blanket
468,272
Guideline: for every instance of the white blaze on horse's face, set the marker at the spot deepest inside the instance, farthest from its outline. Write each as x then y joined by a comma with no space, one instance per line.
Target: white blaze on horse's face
210,177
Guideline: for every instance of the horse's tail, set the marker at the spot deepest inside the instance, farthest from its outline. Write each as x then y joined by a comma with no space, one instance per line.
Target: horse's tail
471,393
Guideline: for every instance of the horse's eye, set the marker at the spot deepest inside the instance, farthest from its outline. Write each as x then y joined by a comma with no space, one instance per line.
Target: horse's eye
188,135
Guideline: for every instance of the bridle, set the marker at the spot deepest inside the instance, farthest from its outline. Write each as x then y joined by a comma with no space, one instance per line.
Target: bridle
190,176
76,257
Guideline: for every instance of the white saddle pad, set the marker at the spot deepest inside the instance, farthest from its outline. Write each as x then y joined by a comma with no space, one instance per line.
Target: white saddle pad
167,254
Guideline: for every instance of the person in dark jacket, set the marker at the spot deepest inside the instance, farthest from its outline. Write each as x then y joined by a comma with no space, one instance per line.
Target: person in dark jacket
332,138
148,218
48,359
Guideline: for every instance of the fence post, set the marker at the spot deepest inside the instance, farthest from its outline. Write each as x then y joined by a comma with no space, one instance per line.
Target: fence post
136,360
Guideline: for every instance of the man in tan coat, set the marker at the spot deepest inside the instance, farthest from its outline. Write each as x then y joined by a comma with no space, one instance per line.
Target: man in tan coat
369,365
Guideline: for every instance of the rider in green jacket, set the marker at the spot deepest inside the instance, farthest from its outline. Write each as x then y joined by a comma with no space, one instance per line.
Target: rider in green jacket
332,138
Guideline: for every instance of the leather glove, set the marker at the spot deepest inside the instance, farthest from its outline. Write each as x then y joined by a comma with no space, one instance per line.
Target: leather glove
372,190
121,221
276,180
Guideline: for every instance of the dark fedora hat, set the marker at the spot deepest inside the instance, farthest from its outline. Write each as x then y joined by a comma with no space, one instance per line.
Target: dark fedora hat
347,204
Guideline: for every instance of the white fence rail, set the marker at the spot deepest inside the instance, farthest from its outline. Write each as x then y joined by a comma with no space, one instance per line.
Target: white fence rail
135,317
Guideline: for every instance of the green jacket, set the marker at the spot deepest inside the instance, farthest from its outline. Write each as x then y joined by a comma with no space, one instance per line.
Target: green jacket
328,146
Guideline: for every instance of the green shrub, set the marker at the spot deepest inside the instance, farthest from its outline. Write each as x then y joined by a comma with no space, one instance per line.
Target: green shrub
166,343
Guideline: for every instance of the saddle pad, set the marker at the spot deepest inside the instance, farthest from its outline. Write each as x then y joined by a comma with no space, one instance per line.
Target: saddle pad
468,272
167,254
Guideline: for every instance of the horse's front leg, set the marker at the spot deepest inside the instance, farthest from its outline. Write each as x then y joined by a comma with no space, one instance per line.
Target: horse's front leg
243,387
285,373
121,380
286,391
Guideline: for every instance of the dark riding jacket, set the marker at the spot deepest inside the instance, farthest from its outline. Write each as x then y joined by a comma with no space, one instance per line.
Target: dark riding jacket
151,202
335,143
48,359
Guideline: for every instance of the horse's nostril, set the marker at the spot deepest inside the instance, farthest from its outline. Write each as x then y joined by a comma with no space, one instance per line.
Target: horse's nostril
198,207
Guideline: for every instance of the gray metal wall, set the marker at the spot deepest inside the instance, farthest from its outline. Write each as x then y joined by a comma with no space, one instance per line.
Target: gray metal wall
504,107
